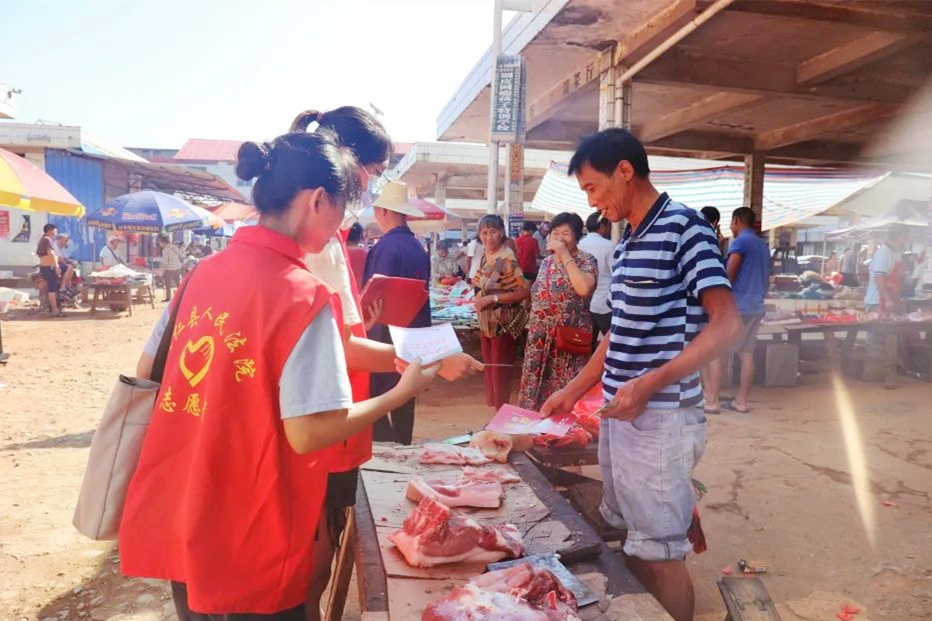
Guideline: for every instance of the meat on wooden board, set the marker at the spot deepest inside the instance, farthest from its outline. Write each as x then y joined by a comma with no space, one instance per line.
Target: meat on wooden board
519,593
434,535
463,492
453,455
490,474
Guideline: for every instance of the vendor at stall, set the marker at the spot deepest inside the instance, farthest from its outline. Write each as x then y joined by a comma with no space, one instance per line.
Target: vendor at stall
443,264
885,273
668,282
400,254
108,257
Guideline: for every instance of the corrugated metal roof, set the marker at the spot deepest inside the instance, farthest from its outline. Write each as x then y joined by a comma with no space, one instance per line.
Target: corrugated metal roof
203,150
95,146
790,194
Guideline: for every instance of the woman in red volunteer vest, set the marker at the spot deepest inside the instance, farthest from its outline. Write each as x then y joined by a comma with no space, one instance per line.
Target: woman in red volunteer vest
370,143
232,477
367,138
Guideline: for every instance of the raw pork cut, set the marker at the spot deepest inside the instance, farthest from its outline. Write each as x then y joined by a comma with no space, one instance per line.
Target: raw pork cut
453,455
520,593
490,474
576,437
493,445
464,492
434,535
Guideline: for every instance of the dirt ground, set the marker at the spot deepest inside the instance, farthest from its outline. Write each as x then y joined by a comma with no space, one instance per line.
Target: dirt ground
780,484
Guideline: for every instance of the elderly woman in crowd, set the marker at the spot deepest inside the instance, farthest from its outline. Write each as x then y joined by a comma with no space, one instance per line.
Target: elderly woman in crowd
559,331
443,264
500,293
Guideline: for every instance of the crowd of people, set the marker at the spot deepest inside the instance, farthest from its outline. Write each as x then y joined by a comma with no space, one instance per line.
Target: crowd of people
313,378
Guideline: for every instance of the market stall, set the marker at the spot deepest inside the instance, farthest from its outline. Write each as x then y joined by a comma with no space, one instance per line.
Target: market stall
26,187
140,212
392,589
454,304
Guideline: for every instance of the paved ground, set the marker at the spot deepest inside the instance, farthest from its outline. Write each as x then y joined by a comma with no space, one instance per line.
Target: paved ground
781,485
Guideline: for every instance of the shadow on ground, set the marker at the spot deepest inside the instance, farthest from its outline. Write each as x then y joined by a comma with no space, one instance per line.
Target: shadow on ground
110,594
71,440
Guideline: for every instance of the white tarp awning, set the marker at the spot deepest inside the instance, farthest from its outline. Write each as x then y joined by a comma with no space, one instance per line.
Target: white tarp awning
790,194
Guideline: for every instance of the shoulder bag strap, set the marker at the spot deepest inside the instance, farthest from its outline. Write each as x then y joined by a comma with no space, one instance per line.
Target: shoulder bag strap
161,356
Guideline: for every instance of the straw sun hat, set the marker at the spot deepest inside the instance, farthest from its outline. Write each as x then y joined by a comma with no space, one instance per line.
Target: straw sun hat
394,197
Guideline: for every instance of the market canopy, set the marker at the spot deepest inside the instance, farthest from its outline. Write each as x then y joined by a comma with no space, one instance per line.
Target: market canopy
236,212
23,185
887,191
790,194
913,214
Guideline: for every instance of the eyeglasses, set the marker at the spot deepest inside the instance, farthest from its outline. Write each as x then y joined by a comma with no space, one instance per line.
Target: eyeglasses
377,183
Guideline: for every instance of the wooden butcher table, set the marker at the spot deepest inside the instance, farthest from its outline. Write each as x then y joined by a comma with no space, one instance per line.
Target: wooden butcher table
391,590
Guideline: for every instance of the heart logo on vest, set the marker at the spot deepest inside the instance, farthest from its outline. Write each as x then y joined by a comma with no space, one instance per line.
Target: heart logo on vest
196,358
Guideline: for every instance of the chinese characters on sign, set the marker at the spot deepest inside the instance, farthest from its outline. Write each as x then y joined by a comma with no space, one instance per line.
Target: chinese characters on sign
508,100
4,223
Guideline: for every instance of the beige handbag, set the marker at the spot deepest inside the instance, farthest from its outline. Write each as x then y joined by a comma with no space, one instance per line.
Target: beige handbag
117,444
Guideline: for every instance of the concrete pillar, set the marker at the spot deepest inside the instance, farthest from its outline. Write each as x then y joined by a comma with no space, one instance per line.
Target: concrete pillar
622,115
504,212
440,192
492,187
754,184
607,98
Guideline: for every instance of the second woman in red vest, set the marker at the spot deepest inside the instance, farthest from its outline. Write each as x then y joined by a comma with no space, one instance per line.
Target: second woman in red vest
231,480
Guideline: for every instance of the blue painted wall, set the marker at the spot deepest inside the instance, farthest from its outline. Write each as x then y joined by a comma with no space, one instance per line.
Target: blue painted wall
84,178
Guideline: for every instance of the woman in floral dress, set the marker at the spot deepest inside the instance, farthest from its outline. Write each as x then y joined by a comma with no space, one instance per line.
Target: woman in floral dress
560,297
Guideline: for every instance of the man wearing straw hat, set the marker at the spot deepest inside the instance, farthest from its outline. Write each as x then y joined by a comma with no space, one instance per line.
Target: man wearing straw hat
399,254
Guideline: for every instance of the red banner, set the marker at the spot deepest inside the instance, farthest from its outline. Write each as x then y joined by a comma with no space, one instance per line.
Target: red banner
4,223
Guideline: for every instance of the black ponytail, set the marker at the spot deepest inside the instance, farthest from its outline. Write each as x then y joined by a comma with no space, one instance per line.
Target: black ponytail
296,162
357,130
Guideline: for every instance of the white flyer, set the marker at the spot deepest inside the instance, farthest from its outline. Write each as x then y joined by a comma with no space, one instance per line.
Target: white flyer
429,344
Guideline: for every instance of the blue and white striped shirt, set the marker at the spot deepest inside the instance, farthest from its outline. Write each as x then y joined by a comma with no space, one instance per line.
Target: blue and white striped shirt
659,272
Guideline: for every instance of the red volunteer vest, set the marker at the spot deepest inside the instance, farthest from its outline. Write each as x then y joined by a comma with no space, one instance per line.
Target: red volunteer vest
220,501
357,450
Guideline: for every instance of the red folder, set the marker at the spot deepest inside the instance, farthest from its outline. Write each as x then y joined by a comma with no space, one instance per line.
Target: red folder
402,298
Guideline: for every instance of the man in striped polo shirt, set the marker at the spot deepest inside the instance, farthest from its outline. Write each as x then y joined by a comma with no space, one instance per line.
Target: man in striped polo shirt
667,279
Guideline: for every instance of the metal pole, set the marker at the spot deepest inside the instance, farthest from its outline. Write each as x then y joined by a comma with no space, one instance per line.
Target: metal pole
509,153
492,187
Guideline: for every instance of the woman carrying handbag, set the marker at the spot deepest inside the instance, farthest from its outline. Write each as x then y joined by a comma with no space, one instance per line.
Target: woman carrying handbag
232,476
560,329
500,294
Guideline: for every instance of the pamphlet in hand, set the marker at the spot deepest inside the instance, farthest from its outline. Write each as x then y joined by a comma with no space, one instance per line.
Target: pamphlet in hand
402,298
514,420
429,344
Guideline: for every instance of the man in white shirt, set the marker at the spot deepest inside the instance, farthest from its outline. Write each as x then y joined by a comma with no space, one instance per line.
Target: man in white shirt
597,242
886,274
473,257
108,256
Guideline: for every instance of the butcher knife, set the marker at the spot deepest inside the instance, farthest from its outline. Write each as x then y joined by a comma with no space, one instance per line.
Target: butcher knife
460,439
583,595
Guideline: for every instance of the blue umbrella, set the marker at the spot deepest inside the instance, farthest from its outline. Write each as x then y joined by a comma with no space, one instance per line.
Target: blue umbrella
148,212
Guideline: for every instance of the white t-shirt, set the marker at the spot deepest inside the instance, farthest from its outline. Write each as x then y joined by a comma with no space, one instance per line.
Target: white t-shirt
602,250
883,262
330,266
471,251
314,378
108,257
